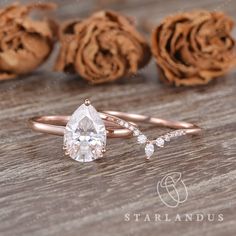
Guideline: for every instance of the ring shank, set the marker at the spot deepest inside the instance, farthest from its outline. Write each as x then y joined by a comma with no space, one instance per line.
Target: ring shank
49,124
56,125
190,128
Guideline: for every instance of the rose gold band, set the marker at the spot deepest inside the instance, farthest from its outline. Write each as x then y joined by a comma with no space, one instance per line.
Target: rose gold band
190,128
56,124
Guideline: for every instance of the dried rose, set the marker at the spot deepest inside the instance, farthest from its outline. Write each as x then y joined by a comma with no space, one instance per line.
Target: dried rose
24,43
193,48
102,48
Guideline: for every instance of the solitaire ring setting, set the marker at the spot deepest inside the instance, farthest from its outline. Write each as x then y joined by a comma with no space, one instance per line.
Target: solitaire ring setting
86,130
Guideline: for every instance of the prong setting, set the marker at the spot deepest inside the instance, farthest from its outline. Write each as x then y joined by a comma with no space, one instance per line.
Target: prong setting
87,102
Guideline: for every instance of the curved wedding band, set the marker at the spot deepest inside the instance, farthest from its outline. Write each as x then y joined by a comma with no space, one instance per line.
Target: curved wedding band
190,128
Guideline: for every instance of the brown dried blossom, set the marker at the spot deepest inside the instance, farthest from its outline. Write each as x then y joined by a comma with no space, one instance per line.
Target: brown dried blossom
193,48
24,43
102,48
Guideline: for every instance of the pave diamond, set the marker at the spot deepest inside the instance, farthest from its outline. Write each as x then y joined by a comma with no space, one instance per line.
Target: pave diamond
121,122
142,138
160,142
126,125
149,150
131,128
167,137
136,132
85,134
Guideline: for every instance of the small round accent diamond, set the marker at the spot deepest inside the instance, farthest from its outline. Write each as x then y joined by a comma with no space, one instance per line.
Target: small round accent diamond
167,137
149,150
160,142
183,132
121,122
142,138
126,125
131,128
136,132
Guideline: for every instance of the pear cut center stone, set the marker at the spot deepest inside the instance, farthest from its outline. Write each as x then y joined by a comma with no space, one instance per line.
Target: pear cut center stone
85,134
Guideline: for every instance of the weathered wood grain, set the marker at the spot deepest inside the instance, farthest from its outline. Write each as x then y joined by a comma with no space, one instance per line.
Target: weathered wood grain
42,192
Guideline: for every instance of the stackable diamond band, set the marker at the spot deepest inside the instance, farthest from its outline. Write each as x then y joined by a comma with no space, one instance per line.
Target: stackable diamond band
86,131
182,128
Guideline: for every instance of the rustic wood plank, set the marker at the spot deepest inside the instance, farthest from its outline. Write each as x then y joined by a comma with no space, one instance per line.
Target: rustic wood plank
44,193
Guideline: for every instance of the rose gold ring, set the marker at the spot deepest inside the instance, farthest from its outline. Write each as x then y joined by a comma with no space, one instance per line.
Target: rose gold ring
182,128
86,130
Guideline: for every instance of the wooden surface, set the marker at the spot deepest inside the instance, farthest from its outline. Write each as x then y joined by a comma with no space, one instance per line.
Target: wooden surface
42,192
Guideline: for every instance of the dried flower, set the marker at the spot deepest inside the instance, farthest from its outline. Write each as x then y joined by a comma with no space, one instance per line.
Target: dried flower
102,48
24,43
193,48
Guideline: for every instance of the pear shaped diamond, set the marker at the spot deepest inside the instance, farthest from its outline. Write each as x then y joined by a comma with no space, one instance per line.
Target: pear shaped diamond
85,134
